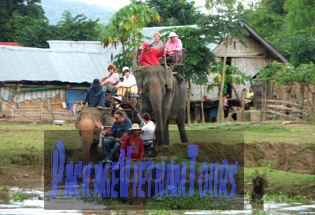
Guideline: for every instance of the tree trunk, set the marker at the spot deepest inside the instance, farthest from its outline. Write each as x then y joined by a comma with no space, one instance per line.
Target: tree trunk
220,114
134,59
188,102
236,93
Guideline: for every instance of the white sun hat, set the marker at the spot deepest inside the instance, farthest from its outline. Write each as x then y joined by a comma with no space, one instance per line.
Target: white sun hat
172,34
125,68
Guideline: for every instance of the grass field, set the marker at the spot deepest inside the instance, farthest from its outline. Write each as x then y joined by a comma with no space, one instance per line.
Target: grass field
22,148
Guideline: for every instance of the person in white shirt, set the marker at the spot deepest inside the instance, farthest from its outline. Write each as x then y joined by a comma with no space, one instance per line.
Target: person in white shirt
128,85
147,131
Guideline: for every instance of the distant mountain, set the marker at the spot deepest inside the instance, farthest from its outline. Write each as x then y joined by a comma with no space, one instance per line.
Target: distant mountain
54,9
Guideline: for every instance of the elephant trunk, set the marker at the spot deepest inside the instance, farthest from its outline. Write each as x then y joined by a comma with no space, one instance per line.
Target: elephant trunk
86,140
88,135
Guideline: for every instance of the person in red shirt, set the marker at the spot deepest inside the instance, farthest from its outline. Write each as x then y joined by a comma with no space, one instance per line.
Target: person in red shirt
150,55
135,141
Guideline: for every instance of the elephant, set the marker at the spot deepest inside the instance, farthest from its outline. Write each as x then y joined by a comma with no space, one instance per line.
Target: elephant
89,124
162,104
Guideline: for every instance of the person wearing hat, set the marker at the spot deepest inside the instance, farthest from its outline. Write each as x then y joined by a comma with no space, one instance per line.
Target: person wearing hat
135,141
150,55
173,47
117,134
128,85
94,96
158,44
111,79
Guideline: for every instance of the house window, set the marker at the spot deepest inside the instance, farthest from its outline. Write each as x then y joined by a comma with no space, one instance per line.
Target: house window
234,44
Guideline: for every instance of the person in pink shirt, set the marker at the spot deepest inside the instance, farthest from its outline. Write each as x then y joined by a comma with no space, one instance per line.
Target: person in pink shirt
173,48
150,55
226,105
111,79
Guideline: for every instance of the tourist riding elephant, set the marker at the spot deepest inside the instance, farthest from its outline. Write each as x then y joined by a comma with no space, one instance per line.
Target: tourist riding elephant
89,124
162,103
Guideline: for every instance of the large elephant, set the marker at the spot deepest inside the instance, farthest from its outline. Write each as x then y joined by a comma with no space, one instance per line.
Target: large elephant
163,104
89,124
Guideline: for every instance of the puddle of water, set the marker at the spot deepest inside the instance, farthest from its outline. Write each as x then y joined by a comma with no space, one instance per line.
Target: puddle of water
35,206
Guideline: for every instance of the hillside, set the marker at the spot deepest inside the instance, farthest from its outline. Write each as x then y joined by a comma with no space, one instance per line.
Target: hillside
54,9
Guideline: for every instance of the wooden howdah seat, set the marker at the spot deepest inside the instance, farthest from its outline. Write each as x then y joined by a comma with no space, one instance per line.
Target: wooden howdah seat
171,61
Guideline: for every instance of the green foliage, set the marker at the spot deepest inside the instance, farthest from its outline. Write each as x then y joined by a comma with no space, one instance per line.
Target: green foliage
267,18
125,28
281,197
78,28
19,197
229,4
24,22
4,194
232,75
288,25
299,48
268,72
303,74
175,12
26,30
223,26
301,15
190,203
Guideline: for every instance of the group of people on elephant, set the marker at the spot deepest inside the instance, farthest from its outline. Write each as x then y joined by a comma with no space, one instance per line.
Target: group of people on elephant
123,133
161,96
151,54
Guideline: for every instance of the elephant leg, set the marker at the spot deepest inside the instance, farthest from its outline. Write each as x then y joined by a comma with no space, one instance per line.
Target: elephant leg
93,153
166,134
180,121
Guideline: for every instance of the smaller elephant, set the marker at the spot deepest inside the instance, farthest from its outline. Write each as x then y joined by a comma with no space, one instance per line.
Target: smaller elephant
89,124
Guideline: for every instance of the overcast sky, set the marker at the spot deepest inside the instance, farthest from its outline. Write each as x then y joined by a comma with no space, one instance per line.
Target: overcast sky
121,3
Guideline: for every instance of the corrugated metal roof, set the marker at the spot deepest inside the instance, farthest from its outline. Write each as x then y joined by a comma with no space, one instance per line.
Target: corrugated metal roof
34,64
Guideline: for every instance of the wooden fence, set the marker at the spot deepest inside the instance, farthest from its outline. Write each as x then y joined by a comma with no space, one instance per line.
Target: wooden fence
38,112
280,109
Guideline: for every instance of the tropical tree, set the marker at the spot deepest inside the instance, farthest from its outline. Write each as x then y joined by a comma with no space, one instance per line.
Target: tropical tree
221,29
28,31
301,16
125,29
12,14
175,12
76,28
267,18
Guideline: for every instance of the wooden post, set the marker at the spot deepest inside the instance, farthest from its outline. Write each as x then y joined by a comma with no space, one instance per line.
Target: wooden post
201,106
41,111
188,102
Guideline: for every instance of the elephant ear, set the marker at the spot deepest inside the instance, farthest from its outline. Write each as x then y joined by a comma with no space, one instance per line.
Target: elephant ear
138,75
